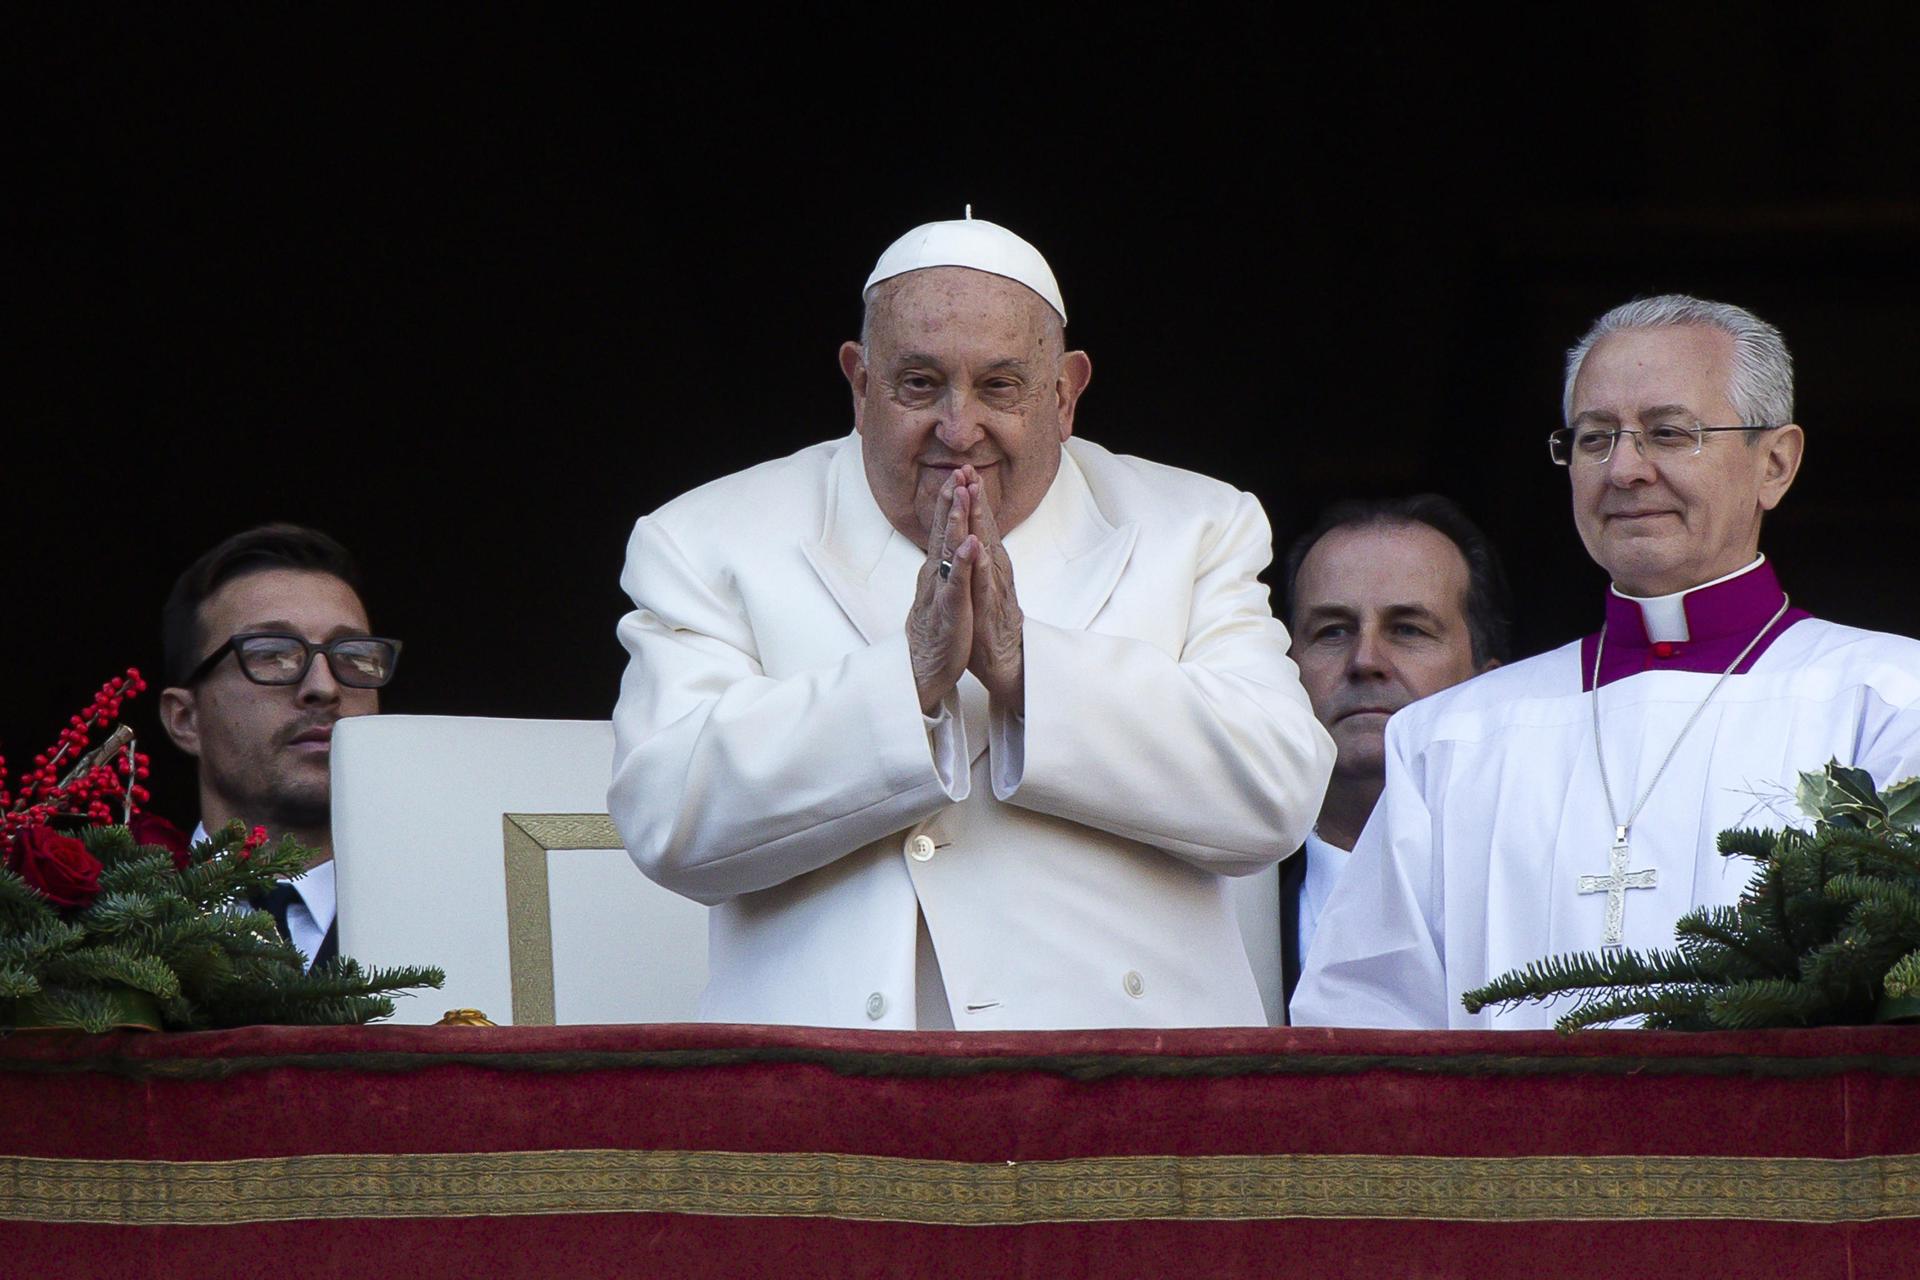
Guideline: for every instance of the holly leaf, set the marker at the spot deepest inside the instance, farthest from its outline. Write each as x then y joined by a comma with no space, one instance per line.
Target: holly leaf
1842,795
1903,803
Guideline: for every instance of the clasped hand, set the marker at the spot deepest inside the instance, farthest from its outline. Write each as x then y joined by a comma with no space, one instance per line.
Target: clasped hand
969,618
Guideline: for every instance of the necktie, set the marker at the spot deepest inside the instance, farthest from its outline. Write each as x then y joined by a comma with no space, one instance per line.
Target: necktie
277,901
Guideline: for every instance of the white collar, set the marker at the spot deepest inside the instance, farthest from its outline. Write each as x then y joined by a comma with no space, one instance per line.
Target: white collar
315,885
1666,616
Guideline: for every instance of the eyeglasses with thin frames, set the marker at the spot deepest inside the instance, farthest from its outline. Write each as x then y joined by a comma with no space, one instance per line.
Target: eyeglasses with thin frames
282,658
1661,441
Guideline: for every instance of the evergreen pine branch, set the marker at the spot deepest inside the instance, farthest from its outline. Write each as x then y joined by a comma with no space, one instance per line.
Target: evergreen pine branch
1890,904
178,1014
1812,919
33,947
83,1008
344,974
115,965
117,913
1748,842
110,845
1767,1002
1681,1006
1903,979
1885,855
1767,952
1772,886
342,1010
202,931
17,982
1855,963
21,907
1579,971
145,875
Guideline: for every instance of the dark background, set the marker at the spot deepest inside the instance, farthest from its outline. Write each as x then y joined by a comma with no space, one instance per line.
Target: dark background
472,295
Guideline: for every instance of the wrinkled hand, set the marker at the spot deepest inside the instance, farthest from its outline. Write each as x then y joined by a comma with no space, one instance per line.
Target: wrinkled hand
940,630
997,658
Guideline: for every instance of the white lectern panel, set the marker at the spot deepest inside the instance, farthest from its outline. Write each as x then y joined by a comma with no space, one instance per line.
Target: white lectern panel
451,836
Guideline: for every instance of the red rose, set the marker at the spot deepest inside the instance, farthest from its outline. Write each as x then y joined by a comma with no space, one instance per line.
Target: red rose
58,866
151,828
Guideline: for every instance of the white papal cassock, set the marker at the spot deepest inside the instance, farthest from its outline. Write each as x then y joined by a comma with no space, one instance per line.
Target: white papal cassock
1493,808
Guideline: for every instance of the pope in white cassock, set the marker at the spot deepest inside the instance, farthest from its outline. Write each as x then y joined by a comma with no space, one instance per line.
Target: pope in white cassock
1571,802
956,721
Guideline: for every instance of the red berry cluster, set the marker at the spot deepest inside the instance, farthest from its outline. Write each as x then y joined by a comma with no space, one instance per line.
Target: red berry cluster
255,838
42,796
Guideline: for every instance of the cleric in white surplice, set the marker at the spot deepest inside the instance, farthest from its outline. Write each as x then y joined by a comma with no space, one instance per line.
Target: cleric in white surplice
1501,838
929,779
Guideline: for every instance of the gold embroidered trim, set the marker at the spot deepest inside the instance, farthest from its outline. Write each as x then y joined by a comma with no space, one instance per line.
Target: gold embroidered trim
941,1192
528,839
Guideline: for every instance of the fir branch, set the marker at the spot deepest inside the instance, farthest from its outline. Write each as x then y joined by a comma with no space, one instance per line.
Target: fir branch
1866,852
117,913
17,981
1891,903
1749,843
1767,1002
1903,979
115,965
1579,971
1678,1007
21,907
1766,952
83,1009
148,874
1853,965
344,974
33,947
111,845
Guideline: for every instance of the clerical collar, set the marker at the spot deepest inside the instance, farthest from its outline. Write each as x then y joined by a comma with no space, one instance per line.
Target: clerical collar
1701,629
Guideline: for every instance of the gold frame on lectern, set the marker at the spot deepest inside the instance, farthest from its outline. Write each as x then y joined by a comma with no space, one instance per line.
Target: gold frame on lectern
529,838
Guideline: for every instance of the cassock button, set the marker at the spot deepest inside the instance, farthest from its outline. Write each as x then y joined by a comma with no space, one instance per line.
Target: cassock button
920,848
1135,984
876,1007
1663,649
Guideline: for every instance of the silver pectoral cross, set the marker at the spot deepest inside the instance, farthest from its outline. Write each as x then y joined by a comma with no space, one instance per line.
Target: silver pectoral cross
1615,885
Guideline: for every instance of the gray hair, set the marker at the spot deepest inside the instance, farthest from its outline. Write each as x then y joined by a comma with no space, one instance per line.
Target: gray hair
1761,389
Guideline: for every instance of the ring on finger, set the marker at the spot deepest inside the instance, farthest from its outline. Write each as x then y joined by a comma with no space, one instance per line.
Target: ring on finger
946,569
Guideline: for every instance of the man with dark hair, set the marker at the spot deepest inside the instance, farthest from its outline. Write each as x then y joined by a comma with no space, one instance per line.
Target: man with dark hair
266,646
1387,600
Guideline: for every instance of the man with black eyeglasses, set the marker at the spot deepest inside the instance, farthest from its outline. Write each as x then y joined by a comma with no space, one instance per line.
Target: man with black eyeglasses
266,646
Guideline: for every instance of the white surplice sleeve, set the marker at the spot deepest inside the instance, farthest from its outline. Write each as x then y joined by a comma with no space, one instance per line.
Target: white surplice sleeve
1888,745
1213,755
728,781
1376,954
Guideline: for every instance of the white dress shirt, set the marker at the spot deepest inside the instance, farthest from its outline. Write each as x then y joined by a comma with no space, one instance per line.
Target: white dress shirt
1325,862
308,919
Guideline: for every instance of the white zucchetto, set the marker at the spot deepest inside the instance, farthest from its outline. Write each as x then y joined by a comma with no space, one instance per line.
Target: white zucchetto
970,242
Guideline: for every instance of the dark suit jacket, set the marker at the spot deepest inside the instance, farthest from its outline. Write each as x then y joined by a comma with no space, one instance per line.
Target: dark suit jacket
1293,874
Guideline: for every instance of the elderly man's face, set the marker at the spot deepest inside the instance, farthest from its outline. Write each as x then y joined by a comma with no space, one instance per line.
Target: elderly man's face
1379,621
961,368
1660,526
265,751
